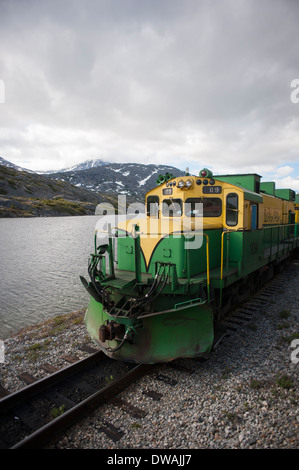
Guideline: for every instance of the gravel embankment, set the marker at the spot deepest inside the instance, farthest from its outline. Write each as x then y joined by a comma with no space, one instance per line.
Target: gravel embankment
244,396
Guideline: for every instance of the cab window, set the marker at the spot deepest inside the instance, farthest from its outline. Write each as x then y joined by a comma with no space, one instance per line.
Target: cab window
152,206
211,207
232,209
253,216
172,207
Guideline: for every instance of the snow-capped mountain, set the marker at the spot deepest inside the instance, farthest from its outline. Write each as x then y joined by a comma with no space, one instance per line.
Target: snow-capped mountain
86,165
131,179
8,164
80,166
98,176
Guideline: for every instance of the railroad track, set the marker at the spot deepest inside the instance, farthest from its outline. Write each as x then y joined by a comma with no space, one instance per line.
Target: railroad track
20,411
25,416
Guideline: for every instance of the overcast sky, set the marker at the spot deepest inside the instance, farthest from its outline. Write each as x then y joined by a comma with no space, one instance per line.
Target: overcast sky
192,83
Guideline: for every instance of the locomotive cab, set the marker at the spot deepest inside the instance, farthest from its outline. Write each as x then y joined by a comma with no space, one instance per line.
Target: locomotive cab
184,215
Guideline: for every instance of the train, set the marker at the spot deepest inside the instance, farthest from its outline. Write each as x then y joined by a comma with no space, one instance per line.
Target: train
163,280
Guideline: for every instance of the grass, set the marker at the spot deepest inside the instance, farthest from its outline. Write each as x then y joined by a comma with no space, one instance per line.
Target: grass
136,425
284,381
58,411
231,416
53,325
255,384
42,335
30,206
33,350
287,339
109,379
284,314
283,326
61,205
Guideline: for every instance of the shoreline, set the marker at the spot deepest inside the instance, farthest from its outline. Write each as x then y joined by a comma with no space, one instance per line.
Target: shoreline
46,341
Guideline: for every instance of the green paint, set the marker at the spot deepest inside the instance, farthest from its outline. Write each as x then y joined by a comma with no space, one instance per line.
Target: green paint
249,181
287,194
181,332
172,249
268,187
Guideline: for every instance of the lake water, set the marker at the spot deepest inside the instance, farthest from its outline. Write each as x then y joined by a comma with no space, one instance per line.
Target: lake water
40,263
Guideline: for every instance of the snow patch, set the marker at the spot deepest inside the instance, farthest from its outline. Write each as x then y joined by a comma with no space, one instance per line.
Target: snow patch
142,182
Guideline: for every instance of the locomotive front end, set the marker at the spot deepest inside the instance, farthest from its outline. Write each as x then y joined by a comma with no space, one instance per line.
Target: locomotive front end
145,312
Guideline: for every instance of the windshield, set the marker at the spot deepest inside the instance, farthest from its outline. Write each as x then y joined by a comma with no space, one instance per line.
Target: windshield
172,207
206,207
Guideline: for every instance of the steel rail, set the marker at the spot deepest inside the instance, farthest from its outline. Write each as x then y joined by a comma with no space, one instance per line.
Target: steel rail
53,429
19,397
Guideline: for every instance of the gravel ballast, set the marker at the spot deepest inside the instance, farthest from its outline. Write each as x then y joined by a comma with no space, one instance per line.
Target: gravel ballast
244,396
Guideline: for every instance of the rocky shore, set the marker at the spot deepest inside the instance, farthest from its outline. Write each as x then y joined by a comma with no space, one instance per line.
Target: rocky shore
245,396
24,194
34,207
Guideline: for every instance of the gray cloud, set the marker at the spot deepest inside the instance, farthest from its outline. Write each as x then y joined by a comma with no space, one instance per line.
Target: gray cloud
195,83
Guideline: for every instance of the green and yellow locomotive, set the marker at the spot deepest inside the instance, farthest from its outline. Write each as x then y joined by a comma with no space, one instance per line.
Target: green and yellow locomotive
204,244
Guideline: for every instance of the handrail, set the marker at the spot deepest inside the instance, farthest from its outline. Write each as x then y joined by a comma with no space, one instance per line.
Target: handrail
106,248
208,265
221,265
271,243
281,235
222,253
230,231
280,225
222,260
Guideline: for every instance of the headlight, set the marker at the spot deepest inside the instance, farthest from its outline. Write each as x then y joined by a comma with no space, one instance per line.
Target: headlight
189,184
181,184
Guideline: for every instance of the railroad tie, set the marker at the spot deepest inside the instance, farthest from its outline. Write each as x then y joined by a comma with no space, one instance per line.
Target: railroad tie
49,368
3,392
111,431
131,409
70,358
27,378
152,394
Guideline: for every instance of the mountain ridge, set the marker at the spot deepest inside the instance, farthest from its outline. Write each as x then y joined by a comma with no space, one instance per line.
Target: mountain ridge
130,179
79,166
74,192
24,194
